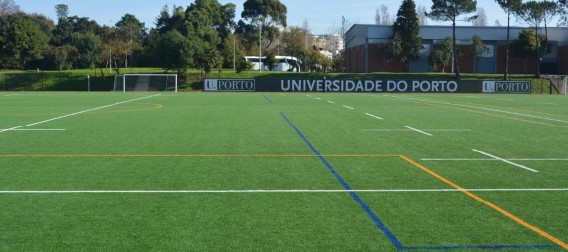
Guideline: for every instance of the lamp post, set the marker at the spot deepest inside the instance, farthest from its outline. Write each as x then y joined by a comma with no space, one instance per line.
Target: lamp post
307,49
260,47
234,52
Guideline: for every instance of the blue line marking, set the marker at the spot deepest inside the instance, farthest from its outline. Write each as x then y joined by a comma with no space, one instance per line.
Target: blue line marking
381,225
353,195
267,99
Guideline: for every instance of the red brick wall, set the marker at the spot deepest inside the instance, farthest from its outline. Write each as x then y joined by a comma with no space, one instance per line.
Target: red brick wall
516,65
465,60
355,61
361,59
378,60
347,58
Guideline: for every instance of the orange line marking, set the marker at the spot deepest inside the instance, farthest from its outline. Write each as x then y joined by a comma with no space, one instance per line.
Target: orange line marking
495,207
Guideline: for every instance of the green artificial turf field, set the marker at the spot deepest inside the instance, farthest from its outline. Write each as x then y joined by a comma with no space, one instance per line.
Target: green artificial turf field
283,172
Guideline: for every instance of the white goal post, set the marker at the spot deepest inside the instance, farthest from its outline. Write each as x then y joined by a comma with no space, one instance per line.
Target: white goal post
565,84
145,83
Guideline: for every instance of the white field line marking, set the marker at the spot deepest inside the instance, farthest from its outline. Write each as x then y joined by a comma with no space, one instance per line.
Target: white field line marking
547,103
505,100
35,129
459,159
488,109
317,98
417,130
13,128
89,110
348,107
492,159
429,130
371,115
276,191
506,161
331,102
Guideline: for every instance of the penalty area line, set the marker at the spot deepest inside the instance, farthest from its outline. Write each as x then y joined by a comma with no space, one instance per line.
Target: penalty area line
13,128
506,161
34,129
374,116
89,110
419,131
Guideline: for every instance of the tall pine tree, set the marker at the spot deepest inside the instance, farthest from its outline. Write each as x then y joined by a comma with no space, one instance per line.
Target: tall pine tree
509,6
406,44
450,10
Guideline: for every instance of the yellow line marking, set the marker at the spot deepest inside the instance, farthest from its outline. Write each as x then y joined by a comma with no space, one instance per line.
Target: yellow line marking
191,155
495,207
517,109
511,118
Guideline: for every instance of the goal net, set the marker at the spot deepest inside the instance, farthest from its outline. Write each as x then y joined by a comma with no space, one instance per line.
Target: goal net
145,82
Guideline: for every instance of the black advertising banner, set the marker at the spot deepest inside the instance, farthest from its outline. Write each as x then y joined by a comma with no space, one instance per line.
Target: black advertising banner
364,86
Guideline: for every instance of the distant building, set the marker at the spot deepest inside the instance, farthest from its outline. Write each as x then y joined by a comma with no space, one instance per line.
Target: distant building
329,44
366,50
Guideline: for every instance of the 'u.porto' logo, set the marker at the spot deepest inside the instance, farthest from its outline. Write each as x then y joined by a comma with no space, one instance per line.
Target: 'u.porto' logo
211,85
230,85
488,87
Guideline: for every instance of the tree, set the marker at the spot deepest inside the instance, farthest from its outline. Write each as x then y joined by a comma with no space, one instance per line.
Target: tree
338,64
563,12
175,51
422,17
130,34
88,45
528,44
534,13
509,6
441,56
270,60
406,44
22,41
450,10
62,11
479,49
294,42
382,16
209,22
269,14
206,24
234,51
8,7
481,19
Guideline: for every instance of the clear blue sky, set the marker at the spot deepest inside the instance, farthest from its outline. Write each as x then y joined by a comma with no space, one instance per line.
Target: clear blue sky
321,15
